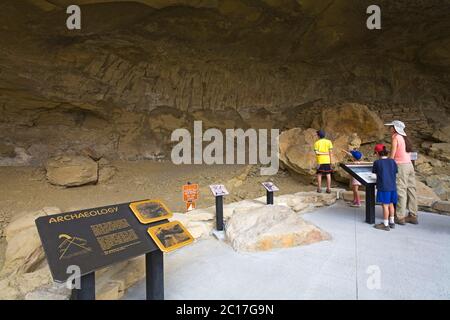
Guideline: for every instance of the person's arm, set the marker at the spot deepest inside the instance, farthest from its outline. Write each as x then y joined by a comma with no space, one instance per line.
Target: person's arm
394,148
331,154
345,151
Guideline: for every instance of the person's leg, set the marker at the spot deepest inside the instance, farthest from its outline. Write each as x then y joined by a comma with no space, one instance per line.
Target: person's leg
328,182
391,215
319,182
402,194
411,197
358,200
385,224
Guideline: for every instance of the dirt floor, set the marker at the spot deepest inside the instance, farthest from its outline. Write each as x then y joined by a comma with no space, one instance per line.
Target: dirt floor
25,189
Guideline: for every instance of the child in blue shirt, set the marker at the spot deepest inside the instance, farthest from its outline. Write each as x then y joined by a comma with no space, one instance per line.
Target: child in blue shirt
386,171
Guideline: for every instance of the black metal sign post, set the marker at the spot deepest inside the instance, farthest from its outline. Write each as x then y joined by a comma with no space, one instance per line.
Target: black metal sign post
95,238
154,275
370,203
270,189
219,213
87,288
269,197
363,173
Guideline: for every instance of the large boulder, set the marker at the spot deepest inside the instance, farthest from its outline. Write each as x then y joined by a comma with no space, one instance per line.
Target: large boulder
348,118
270,227
440,185
71,171
442,134
425,195
297,150
24,251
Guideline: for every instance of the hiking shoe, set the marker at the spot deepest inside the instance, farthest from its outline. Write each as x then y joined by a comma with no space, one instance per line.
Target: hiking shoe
319,190
355,205
392,225
411,219
328,191
381,226
400,221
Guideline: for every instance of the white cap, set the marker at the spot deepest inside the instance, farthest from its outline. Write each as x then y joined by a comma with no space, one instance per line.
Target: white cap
398,125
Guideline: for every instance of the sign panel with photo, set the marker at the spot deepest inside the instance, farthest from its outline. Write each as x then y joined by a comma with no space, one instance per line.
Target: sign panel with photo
219,190
170,236
270,186
149,211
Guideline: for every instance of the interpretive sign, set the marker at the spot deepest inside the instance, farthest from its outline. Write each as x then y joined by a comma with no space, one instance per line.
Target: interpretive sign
363,173
270,186
93,238
219,190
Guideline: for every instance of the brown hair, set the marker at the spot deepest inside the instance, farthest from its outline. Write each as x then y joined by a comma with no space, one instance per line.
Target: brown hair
384,152
408,144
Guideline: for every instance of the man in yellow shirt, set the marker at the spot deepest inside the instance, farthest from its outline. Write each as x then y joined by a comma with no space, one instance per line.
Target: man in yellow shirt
323,149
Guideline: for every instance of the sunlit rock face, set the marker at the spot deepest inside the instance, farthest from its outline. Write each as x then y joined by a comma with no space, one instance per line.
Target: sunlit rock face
138,69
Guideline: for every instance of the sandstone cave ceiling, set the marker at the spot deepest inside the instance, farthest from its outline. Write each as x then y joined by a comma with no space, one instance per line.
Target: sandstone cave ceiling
138,69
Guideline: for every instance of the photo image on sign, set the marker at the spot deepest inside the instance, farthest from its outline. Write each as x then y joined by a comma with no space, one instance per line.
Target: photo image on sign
270,186
149,211
170,236
218,190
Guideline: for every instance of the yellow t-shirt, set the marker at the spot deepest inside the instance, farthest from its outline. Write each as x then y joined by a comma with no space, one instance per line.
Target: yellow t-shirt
323,145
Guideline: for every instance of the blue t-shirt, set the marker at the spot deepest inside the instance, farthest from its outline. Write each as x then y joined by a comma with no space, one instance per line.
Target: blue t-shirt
386,170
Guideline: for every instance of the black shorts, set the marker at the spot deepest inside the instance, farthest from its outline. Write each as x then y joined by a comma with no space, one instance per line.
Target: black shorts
324,169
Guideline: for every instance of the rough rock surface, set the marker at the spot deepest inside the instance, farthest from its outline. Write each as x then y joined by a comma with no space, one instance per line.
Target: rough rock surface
440,185
440,151
71,171
425,195
270,227
442,207
350,118
297,150
442,134
138,69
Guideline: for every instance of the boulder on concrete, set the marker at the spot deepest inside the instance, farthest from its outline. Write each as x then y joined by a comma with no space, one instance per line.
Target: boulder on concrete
270,227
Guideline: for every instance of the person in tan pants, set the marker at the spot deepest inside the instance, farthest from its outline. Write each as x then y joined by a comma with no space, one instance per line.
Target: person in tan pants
406,177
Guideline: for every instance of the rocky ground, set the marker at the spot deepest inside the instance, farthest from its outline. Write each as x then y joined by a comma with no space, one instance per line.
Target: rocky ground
25,189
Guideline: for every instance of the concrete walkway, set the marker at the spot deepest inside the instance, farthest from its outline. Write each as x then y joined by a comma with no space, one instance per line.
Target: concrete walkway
360,262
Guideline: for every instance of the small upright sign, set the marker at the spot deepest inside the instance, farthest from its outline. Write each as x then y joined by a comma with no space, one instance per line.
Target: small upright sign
270,189
190,195
219,190
270,186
